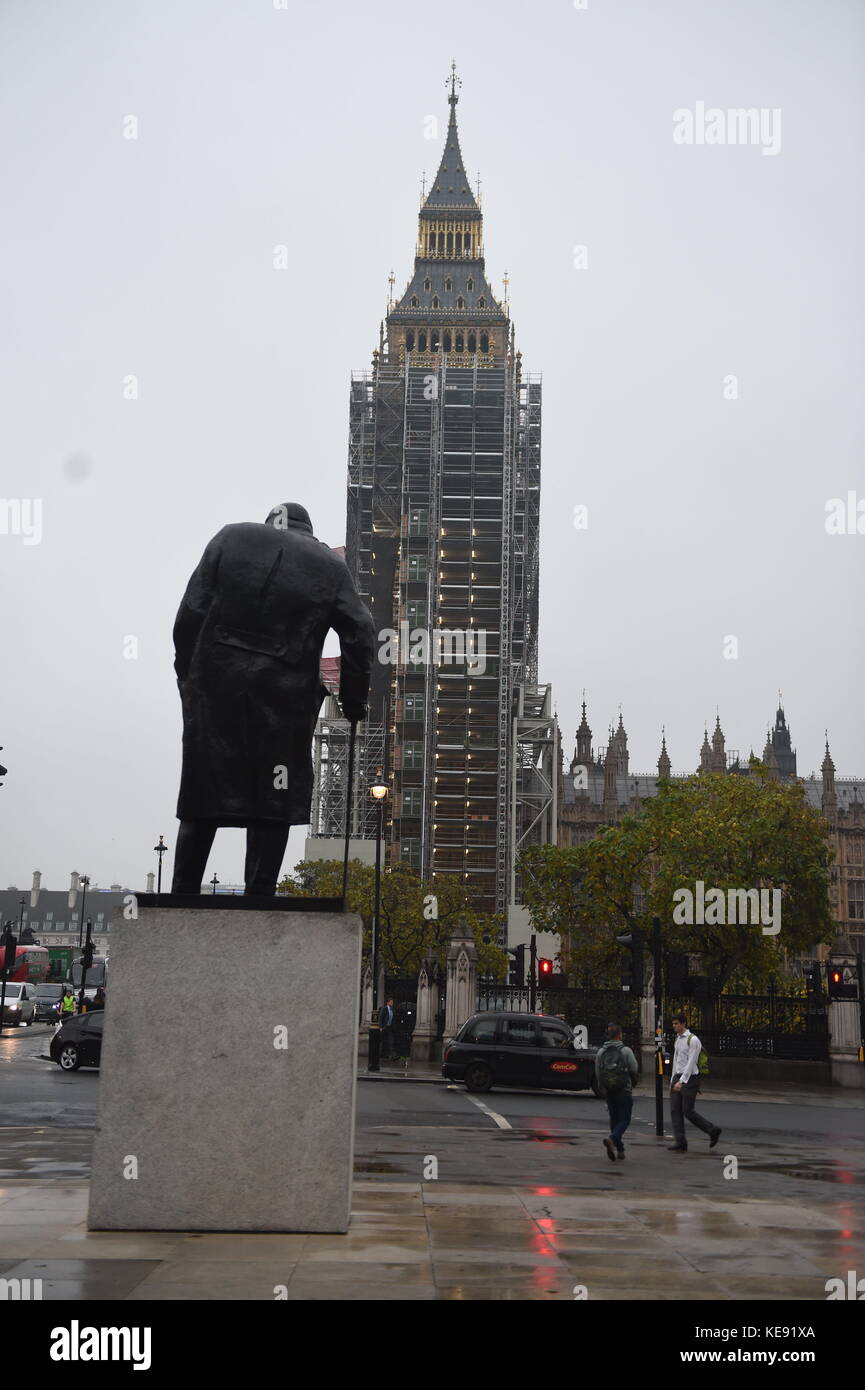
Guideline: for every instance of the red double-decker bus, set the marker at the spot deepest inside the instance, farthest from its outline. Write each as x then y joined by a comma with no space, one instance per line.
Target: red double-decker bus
31,964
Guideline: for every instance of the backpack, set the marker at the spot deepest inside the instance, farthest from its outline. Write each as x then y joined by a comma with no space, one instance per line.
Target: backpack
614,1074
703,1062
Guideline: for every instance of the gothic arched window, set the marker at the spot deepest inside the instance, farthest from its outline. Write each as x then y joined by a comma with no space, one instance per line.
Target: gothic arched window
421,342
470,284
435,302
448,284
461,304
482,303
414,301
446,342
409,341
460,343
473,343
427,284
485,342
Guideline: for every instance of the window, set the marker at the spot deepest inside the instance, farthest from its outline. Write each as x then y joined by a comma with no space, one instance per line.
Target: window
414,301
427,285
517,1033
421,342
461,304
482,303
485,342
409,852
483,1030
412,755
412,801
460,343
448,284
413,708
470,284
435,302
856,899
418,522
554,1035
415,611
473,342
417,568
446,341
409,342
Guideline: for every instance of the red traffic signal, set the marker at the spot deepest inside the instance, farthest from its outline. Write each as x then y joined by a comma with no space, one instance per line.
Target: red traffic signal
545,968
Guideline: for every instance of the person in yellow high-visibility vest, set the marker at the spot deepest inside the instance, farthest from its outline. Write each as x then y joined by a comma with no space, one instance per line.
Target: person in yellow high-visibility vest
67,1004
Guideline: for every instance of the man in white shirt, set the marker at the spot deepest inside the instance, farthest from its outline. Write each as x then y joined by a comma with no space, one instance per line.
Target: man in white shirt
685,1085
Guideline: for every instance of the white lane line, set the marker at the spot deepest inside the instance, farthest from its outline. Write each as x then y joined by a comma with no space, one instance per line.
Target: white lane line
498,1119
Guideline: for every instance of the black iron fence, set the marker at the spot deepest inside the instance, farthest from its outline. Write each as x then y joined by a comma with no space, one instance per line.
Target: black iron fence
794,1028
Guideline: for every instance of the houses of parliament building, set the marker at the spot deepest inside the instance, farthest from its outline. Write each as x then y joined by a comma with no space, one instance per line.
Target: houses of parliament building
599,789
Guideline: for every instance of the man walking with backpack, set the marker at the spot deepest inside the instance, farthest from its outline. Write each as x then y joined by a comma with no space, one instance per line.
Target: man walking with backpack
616,1071
684,1087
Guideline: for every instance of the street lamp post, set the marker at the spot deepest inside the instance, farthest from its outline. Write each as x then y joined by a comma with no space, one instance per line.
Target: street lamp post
378,791
658,971
159,849
85,884
214,881
7,952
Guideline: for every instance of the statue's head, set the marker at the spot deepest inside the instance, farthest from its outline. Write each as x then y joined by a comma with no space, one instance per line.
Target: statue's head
289,514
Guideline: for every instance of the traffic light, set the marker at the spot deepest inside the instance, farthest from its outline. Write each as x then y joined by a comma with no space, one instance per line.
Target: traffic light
677,974
517,973
632,966
842,981
545,970
813,980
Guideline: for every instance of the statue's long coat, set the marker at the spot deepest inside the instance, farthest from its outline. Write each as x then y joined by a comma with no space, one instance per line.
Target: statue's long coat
248,639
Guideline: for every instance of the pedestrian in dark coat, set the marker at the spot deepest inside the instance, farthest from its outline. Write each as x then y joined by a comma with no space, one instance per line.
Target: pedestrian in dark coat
248,639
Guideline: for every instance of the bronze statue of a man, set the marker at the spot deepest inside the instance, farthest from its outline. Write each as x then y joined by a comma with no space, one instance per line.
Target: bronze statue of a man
247,640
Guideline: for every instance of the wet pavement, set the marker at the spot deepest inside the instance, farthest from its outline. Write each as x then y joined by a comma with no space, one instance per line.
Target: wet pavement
449,1241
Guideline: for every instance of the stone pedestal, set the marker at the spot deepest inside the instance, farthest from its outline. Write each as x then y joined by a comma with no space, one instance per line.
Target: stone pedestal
461,990
424,1045
844,1035
227,1083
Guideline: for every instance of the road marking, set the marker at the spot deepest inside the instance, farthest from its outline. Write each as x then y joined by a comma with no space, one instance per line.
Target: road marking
498,1119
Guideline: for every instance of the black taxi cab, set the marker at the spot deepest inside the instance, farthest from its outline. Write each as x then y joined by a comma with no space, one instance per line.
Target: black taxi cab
512,1049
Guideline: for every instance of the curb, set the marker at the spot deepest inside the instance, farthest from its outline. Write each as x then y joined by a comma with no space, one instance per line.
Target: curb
398,1076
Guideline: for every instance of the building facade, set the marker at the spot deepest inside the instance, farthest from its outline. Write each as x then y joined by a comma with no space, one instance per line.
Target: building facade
599,789
442,541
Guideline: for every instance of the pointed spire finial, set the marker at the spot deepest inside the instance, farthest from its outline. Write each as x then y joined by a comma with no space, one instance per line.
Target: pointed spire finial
454,83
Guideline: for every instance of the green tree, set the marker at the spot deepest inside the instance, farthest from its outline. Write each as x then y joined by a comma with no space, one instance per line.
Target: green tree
730,832
409,933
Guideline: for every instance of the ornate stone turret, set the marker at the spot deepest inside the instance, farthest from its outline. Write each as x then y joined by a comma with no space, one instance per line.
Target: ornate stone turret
829,799
664,767
785,755
611,798
583,754
718,757
620,740
705,754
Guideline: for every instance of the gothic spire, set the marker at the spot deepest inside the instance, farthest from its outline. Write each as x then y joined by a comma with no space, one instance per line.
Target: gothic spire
451,189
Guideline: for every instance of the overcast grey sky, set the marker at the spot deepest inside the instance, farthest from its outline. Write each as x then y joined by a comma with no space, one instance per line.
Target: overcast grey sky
305,127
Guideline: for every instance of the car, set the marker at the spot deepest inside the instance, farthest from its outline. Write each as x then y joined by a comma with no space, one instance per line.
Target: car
19,1006
47,1003
78,1043
511,1049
